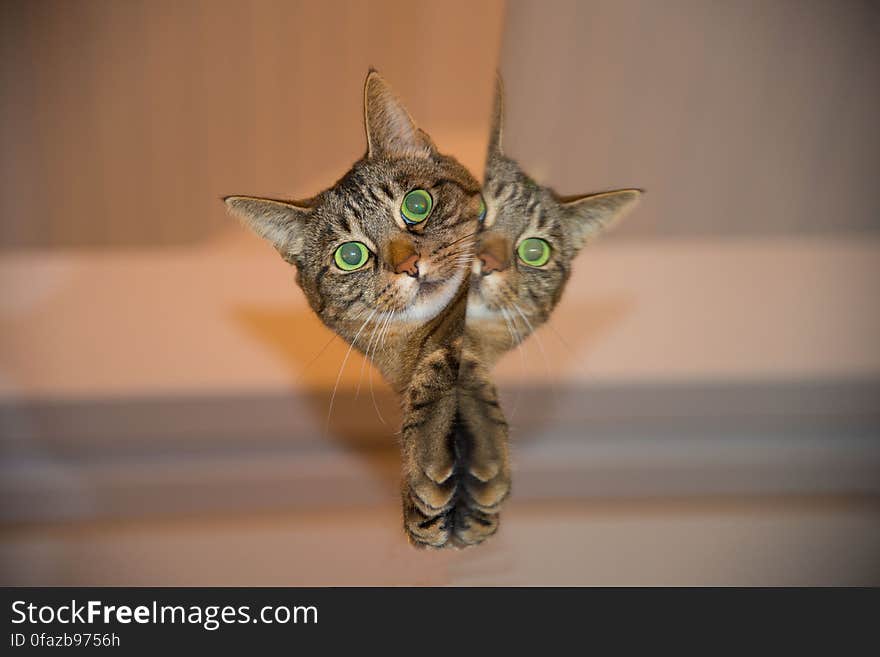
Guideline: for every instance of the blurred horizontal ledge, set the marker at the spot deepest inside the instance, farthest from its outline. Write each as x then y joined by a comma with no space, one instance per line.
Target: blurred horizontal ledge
131,427
104,459
598,468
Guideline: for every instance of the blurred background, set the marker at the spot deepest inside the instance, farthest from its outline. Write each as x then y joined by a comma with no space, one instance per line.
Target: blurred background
703,408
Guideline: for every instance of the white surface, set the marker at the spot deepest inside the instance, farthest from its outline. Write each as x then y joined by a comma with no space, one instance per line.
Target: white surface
764,543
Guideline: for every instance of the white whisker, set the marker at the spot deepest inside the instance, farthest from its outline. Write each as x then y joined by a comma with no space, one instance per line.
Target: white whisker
381,341
302,372
341,369
540,344
366,357
522,358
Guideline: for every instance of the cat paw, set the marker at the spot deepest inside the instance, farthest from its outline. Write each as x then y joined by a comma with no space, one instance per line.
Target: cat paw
425,529
472,526
487,496
428,495
455,514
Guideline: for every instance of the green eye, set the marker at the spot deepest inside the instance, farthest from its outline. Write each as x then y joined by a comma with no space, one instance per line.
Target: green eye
482,208
351,256
416,206
534,251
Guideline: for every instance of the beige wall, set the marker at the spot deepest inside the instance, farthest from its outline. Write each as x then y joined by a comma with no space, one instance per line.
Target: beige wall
738,117
124,122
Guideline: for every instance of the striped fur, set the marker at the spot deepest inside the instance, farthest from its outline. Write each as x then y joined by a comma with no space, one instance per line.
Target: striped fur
410,327
453,492
386,315
509,302
436,333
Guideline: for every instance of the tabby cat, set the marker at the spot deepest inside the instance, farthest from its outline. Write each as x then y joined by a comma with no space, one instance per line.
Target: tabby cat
529,237
384,259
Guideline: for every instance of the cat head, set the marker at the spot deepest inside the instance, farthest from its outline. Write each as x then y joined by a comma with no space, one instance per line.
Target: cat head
392,240
529,238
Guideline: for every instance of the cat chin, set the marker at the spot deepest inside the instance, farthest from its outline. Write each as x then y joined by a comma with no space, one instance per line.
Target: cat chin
477,308
426,307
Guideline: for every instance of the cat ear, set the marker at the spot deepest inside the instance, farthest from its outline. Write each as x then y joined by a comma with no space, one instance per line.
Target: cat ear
280,222
390,129
497,118
594,214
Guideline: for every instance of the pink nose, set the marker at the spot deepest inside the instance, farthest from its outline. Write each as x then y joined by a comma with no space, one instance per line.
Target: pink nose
490,263
408,266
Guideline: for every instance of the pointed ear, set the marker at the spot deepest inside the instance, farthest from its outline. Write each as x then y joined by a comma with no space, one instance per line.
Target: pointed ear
497,124
280,222
594,214
390,129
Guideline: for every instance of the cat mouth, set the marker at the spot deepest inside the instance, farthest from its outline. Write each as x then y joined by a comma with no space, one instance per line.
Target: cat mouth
427,288
477,308
431,298
475,290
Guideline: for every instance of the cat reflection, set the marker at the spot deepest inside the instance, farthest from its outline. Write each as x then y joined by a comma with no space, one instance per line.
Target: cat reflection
433,279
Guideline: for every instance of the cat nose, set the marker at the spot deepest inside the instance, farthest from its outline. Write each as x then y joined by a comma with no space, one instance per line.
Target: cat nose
494,253
490,263
408,266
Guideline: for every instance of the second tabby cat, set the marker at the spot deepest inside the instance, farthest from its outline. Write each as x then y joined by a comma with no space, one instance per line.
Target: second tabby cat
530,236
529,239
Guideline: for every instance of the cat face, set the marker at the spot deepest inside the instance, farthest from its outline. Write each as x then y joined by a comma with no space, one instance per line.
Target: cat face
524,249
392,240
365,249
529,237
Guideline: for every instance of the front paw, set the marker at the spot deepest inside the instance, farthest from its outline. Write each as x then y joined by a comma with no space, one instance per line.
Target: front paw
472,526
425,527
